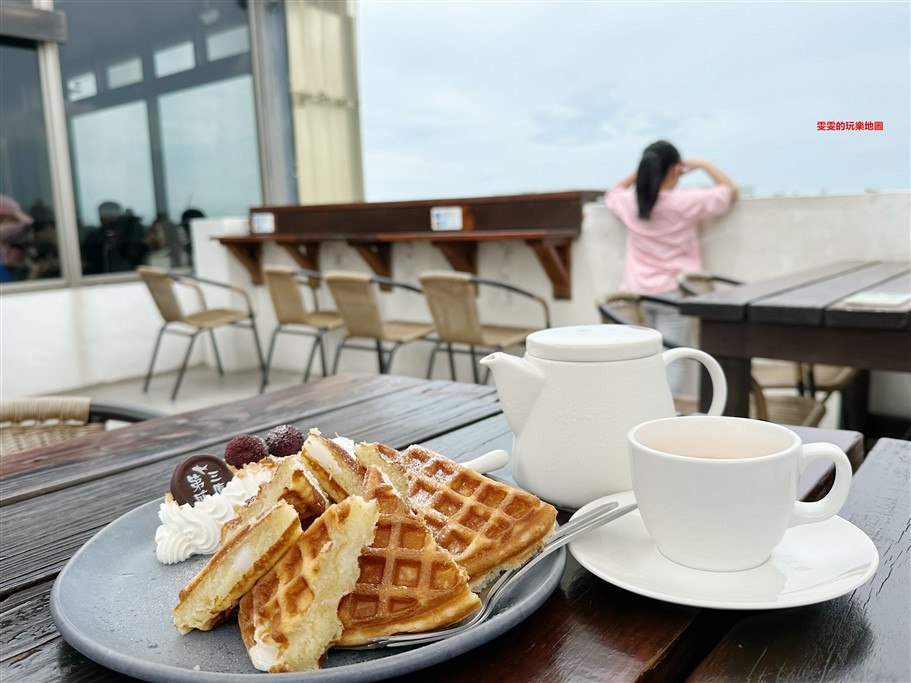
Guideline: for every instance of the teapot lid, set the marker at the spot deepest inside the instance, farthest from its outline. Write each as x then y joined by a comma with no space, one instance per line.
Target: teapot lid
592,343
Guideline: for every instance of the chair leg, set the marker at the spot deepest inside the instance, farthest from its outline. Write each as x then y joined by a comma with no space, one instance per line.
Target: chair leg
183,368
221,370
389,357
145,388
811,382
259,347
262,386
474,364
322,350
338,354
433,357
451,361
379,355
317,342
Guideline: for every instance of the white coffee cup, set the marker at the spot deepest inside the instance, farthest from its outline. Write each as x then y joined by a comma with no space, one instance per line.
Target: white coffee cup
718,493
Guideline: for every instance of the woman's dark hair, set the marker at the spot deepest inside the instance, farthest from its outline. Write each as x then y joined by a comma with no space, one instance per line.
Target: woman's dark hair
657,160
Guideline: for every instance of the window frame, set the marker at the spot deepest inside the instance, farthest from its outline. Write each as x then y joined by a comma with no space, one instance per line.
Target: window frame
45,26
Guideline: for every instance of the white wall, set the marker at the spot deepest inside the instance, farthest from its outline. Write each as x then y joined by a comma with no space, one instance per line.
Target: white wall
65,339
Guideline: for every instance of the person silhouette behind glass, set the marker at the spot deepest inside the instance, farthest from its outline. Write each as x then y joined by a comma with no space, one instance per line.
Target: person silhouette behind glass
117,245
13,221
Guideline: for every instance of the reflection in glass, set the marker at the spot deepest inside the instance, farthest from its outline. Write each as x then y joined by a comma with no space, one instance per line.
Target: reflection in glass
112,164
81,87
210,158
234,41
168,132
28,231
125,73
175,59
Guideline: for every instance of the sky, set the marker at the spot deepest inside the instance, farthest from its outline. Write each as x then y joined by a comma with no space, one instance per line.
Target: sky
486,98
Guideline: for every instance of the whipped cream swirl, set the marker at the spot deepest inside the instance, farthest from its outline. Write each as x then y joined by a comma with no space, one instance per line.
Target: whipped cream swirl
188,530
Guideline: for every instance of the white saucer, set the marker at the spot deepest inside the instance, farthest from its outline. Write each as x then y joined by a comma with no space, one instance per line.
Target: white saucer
813,563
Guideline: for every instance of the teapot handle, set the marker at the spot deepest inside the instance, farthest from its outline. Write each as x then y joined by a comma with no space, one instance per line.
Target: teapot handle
719,383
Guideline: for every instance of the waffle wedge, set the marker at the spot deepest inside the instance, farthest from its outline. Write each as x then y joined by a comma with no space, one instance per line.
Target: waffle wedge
290,618
211,596
337,471
487,526
292,483
407,583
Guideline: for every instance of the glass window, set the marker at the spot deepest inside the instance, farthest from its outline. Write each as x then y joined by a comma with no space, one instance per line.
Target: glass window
168,130
173,60
80,87
234,41
112,161
29,248
210,159
125,73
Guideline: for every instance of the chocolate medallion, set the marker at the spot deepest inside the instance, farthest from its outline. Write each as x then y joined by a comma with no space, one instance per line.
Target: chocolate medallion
199,476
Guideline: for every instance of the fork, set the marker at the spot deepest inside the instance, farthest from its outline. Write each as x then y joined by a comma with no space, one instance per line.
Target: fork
492,596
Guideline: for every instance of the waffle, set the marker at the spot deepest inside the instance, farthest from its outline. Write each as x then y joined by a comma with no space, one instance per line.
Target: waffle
292,483
336,470
210,596
487,526
407,582
382,456
290,618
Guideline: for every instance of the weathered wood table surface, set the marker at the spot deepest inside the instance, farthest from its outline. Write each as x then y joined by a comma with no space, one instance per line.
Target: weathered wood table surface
804,317
56,499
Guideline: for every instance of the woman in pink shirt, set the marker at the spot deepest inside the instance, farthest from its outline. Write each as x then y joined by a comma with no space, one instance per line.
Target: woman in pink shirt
662,221
662,224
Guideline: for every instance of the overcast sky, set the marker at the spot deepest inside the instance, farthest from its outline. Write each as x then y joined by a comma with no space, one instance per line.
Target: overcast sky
484,98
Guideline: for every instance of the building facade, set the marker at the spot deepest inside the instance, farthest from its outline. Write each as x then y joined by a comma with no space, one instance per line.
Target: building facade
121,121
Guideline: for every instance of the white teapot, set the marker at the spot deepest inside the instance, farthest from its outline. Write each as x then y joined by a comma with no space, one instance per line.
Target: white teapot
572,398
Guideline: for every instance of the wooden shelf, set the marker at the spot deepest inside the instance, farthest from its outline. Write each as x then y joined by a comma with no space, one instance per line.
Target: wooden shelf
553,250
372,228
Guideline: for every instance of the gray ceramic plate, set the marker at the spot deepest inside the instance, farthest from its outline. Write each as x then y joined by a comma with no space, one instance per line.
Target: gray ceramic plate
113,603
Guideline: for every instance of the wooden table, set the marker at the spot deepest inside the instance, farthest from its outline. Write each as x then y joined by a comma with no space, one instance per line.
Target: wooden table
588,630
803,317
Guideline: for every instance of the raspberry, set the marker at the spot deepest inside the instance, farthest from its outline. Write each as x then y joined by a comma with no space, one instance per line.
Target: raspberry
245,449
284,440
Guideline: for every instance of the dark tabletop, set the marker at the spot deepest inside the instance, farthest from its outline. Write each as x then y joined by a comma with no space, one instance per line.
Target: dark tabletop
55,499
811,316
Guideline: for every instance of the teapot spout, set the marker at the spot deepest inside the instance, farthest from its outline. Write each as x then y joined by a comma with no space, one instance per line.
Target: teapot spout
518,384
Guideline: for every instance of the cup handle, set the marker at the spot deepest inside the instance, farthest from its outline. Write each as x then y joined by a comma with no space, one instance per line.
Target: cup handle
719,383
821,510
488,462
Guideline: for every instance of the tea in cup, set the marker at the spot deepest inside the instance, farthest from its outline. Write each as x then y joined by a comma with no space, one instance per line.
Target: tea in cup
718,493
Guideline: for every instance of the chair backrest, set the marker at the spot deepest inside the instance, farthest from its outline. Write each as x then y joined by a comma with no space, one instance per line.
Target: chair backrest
698,283
284,289
38,421
43,421
162,289
452,298
355,299
622,308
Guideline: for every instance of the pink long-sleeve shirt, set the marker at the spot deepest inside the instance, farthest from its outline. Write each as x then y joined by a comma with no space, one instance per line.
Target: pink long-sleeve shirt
667,243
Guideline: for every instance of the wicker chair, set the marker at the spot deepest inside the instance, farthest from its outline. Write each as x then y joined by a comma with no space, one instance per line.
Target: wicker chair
625,308
452,298
39,421
810,378
356,301
284,285
161,285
